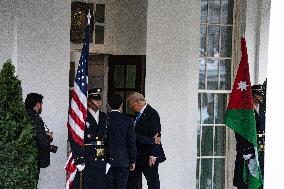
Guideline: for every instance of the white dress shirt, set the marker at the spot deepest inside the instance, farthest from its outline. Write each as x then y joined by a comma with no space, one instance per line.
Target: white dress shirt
95,114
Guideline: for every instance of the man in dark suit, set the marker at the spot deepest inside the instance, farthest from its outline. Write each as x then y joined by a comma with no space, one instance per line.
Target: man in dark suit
149,150
92,160
120,145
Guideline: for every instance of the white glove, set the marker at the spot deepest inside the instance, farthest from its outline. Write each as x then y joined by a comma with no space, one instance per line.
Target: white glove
247,156
107,167
80,167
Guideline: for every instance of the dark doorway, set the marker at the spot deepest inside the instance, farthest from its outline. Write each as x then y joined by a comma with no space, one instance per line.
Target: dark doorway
126,75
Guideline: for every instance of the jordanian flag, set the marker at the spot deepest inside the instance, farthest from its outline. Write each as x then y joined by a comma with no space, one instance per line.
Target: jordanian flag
240,117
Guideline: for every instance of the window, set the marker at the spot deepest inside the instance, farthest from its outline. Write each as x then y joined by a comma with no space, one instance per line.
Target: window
215,78
100,24
126,75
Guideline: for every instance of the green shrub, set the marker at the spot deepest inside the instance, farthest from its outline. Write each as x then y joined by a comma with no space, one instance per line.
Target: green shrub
18,152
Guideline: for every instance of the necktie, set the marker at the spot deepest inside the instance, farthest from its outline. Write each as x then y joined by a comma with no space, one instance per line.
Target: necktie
137,118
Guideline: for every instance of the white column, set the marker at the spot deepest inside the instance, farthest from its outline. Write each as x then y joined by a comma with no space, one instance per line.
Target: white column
43,61
264,39
171,85
257,35
274,164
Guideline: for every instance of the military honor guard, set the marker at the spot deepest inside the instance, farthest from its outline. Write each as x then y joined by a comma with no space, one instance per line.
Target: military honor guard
92,160
258,93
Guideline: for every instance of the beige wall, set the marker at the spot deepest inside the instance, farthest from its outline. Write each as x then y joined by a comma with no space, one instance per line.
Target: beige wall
171,85
36,36
125,30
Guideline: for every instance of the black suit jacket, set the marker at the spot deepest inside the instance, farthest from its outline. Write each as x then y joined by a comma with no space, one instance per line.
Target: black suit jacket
146,128
121,140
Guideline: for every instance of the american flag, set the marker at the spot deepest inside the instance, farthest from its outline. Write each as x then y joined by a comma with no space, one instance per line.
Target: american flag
71,171
78,109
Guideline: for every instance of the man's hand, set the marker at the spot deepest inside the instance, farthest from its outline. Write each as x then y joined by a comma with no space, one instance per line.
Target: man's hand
157,139
132,167
80,167
152,160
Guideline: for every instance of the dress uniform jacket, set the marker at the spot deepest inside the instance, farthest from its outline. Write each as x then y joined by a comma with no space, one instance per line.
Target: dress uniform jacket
42,139
93,153
260,129
95,135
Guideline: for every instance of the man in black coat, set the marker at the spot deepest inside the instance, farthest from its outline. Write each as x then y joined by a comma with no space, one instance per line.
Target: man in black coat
149,150
121,145
92,158
33,104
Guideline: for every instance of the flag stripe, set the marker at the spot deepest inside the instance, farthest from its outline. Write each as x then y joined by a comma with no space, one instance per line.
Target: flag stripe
71,170
81,100
76,109
74,136
243,123
76,128
242,99
76,119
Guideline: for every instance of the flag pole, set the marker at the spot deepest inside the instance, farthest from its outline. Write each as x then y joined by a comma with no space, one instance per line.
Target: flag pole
81,172
81,180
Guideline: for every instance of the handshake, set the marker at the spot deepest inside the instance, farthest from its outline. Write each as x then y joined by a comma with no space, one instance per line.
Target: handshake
52,148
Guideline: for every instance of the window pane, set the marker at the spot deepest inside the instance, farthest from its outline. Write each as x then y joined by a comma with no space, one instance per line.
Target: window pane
220,141
206,174
199,108
207,114
99,34
225,74
131,76
202,73
119,76
198,140
212,74
214,11
202,49
207,141
213,41
219,173
100,13
197,174
227,11
220,105
226,41
204,11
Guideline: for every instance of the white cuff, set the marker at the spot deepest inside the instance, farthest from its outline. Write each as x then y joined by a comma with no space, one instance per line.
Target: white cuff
247,156
80,167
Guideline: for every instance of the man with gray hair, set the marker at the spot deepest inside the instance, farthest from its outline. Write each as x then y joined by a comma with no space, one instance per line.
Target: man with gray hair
148,140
